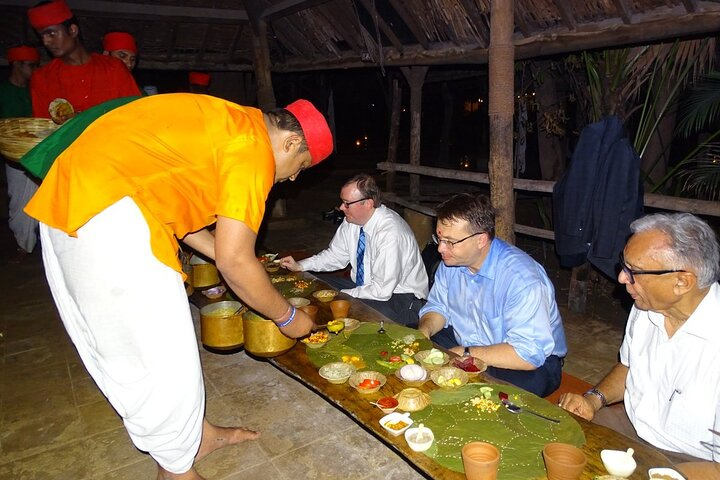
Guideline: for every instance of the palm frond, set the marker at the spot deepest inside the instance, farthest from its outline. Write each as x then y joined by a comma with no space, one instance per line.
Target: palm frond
702,176
702,106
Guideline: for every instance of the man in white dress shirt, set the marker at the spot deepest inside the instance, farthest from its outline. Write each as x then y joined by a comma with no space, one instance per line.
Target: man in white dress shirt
387,271
668,377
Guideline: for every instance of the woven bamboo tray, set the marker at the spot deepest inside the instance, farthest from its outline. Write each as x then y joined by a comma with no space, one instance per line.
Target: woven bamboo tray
19,135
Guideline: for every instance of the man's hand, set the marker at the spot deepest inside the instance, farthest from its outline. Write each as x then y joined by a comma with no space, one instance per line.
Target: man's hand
581,406
290,264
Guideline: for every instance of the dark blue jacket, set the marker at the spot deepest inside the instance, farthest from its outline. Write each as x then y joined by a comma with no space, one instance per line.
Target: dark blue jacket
598,197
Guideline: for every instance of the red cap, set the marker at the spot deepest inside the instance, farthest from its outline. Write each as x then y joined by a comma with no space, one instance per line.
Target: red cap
199,78
22,53
315,128
53,13
119,41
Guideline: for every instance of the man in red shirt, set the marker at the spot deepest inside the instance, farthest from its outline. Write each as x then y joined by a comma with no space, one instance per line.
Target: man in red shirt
83,79
122,46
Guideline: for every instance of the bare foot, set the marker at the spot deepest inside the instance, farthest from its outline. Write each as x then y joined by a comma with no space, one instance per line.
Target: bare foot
214,437
189,475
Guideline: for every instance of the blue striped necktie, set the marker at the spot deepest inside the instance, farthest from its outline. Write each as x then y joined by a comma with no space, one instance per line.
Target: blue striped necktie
360,276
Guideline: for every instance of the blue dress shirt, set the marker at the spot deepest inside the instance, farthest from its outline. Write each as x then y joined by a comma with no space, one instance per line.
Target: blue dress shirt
510,300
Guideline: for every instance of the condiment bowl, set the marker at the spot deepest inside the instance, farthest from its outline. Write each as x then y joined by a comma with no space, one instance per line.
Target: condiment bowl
298,301
337,372
412,383
356,379
317,339
396,423
449,377
325,295
664,474
412,399
350,323
422,358
419,438
386,404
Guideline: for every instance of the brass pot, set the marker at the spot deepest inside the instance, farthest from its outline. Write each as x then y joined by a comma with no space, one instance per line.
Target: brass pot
204,274
263,338
221,325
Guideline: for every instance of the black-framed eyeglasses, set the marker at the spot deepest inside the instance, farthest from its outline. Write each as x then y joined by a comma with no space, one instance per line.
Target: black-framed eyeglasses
449,243
347,204
631,273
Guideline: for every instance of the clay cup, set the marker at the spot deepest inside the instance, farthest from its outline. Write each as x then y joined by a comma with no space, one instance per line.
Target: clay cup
563,461
340,308
311,311
481,461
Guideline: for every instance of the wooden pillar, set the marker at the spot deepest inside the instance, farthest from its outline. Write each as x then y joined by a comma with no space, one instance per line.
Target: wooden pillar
416,78
394,135
262,67
500,111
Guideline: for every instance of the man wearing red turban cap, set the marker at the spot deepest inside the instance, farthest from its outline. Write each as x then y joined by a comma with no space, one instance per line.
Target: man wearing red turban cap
113,208
121,45
15,102
83,79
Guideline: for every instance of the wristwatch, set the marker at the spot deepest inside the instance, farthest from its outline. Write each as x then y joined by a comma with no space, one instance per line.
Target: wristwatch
594,391
466,353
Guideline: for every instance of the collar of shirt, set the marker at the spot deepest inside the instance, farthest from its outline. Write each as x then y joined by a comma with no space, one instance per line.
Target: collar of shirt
489,267
702,323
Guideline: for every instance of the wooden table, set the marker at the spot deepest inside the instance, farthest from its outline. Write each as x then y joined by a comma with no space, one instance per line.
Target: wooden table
295,363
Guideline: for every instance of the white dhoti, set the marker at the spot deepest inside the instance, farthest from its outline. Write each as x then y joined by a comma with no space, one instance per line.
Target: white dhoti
21,188
129,318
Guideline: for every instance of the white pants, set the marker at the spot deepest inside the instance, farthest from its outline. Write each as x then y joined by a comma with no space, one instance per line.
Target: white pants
21,188
129,319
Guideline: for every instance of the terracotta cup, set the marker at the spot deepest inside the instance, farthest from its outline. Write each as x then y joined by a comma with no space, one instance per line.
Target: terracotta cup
563,461
311,310
481,461
340,308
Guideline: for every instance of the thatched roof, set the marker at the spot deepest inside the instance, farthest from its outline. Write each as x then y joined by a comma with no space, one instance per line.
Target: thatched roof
308,35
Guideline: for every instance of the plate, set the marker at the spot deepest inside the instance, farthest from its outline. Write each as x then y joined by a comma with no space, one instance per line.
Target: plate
664,474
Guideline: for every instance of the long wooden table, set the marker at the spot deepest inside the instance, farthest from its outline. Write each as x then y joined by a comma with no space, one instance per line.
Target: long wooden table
296,364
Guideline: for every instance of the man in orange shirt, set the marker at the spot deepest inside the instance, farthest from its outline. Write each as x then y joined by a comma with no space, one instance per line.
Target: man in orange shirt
111,211
83,79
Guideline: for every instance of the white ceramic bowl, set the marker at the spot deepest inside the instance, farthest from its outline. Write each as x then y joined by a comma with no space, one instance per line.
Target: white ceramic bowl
664,473
420,438
618,462
396,423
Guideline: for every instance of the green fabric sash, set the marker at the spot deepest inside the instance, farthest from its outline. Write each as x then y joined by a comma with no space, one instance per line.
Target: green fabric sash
39,160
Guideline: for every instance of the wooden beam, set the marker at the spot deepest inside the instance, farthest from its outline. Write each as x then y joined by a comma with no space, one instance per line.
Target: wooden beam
289,7
624,10
415,77
123,9
409,19
566,13
691,6
386,30
477,21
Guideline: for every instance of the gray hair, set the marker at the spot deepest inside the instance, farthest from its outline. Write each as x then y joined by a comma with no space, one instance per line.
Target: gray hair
691,242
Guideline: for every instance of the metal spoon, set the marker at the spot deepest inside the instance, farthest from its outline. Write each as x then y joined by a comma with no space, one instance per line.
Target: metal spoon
516,409
382,327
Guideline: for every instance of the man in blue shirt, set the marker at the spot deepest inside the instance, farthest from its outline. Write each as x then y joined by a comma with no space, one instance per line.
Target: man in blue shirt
497,299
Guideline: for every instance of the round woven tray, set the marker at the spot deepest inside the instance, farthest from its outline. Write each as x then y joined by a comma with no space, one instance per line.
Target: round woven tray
19,135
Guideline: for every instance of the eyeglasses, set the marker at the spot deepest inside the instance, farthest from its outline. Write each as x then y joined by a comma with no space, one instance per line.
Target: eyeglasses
631,273
347,204
449,243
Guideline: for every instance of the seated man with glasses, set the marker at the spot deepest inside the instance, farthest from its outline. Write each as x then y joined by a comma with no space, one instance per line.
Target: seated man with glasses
666,386
387,269
499,302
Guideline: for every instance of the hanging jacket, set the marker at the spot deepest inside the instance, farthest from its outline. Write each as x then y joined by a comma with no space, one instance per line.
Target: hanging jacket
597,198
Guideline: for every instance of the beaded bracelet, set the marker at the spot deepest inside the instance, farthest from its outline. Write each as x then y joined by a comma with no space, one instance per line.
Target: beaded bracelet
289,320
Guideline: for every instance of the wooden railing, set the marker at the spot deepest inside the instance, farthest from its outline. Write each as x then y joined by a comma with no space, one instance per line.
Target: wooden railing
664,202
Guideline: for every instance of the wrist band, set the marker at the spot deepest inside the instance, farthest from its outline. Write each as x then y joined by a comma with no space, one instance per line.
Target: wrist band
594,391
284,315
289,320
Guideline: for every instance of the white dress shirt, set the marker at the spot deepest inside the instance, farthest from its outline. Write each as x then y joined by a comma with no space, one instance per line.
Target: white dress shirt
392,260
672,390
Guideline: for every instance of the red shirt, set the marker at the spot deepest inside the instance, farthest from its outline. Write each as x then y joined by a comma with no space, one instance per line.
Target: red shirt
101,79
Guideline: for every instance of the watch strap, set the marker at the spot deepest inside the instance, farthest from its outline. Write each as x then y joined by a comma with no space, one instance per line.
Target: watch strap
594,391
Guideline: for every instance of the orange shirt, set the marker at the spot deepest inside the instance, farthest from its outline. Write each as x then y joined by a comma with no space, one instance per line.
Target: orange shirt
101,79
183,158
